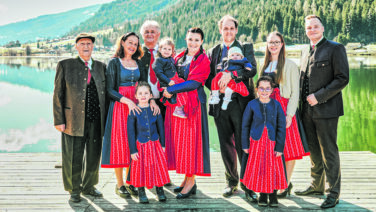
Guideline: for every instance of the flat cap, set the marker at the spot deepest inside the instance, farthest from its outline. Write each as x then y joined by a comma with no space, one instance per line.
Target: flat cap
85,35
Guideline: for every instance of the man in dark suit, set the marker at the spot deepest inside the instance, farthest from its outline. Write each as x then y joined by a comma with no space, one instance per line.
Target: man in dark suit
79,113
324,73
151,31
229,122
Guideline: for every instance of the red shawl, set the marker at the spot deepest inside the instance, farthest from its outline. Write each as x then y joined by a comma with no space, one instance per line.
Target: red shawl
199,71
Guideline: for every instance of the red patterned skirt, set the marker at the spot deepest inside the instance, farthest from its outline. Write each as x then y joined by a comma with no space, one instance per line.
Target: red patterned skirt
294,149
151,168
264,172
120,154
187,136
239,88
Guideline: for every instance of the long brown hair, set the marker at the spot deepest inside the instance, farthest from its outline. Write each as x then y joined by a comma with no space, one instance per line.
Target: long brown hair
120,49
281,59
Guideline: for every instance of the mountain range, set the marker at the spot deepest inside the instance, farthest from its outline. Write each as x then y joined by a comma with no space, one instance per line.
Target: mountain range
45,26
90,19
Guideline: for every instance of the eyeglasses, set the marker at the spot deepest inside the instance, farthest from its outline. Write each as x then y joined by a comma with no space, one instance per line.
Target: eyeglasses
261,89
274,43
85,44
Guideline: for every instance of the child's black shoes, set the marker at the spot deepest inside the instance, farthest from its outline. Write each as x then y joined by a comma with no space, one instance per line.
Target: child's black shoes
160,194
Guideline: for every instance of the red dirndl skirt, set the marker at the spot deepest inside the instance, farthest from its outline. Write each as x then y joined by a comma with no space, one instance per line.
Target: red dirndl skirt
187,136
151,168
264,172
294,149
120,153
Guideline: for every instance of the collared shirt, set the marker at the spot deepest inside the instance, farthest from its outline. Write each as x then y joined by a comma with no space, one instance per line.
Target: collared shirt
89,63
154,87
224,45
322,37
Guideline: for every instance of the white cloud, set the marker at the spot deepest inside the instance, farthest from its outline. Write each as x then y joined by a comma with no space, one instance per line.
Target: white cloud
3,8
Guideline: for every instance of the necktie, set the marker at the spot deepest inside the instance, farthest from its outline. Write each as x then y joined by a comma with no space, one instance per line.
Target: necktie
225,52
153,77
88,73
313,47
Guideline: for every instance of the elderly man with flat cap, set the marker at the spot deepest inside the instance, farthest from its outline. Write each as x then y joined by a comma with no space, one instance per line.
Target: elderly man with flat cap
79,114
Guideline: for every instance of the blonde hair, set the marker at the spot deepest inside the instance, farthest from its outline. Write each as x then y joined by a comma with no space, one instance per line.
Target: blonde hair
309,17
167,41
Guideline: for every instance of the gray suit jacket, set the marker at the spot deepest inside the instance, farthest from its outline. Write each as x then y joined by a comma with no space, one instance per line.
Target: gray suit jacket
70,94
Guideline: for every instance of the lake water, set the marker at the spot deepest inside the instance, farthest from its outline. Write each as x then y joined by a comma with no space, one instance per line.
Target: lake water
26,123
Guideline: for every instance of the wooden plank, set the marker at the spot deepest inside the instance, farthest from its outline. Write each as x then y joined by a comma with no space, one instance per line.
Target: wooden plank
29,182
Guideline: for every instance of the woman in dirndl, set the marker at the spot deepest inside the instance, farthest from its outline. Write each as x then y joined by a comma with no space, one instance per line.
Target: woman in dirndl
285,75
189,137
122,74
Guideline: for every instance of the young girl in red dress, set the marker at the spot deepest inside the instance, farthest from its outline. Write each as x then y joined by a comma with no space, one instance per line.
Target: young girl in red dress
263,138
146,142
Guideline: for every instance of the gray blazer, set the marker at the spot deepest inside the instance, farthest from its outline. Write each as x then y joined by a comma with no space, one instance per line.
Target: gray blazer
70,94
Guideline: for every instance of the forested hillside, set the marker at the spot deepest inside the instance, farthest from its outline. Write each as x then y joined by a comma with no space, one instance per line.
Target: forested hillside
344,20
119,11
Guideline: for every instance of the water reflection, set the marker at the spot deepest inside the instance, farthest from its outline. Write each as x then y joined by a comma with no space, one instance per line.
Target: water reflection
26,87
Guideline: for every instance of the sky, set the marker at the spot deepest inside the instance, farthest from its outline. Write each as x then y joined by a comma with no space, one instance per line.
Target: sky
19,10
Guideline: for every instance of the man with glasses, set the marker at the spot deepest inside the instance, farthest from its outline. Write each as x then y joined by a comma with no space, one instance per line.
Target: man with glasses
324,73
79,114
229,122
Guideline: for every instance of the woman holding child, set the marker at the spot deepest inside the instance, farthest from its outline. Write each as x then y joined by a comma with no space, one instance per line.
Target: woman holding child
190,135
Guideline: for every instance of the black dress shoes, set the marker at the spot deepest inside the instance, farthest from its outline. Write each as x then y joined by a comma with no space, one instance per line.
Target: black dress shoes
160,194
168,184
192,191
142,196
75,197
93,192
132,190
330,202
178,189
229,190
308,191
250,195
285,192
122,191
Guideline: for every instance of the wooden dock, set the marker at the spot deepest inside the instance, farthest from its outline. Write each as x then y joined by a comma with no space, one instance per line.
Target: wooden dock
30,182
